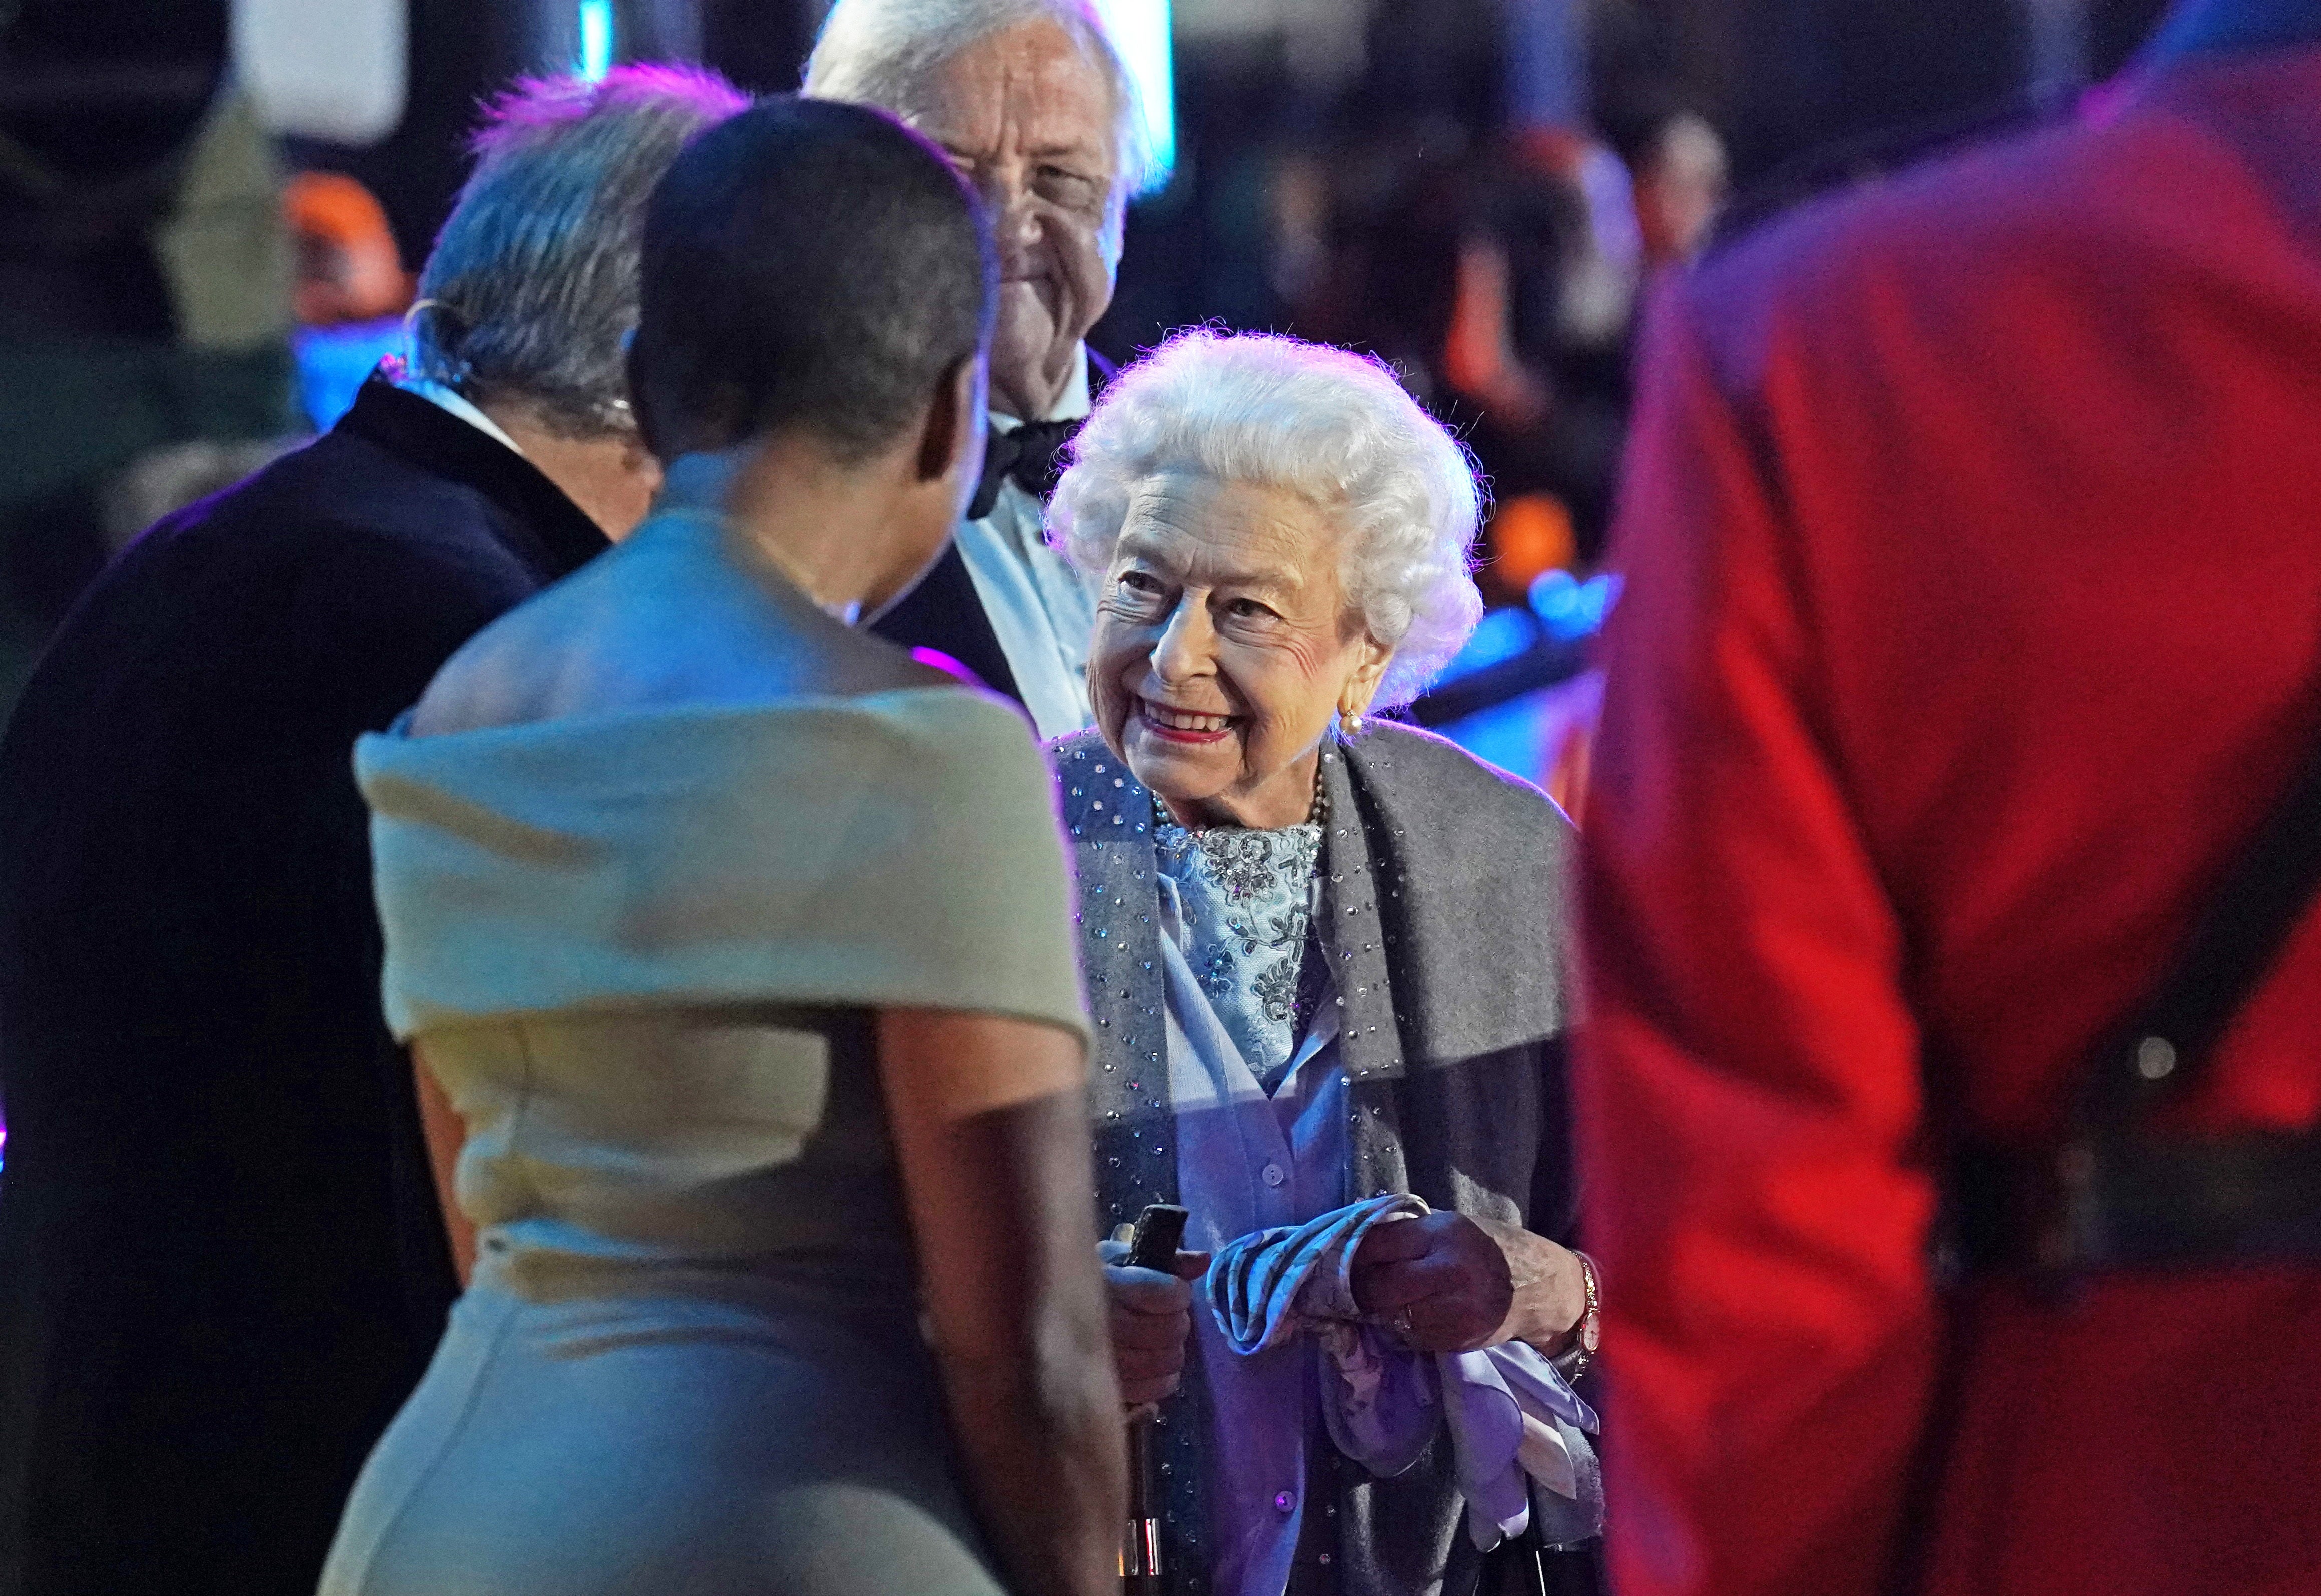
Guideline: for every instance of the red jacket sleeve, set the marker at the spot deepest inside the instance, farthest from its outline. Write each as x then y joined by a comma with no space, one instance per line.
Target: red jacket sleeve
1749,1092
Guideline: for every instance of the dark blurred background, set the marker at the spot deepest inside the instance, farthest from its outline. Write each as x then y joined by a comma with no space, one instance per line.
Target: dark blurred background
209,213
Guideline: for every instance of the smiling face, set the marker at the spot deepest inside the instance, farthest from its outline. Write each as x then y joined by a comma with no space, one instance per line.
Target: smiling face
1027,119
1223,646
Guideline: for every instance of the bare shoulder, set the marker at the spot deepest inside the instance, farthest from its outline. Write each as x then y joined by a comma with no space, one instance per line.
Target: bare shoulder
859,663
517,668
653,623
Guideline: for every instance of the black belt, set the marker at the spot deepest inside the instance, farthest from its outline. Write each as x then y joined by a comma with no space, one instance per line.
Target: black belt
2138,1203
2114,1191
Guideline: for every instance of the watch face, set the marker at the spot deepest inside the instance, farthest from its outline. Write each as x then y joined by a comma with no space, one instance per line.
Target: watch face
1591,1334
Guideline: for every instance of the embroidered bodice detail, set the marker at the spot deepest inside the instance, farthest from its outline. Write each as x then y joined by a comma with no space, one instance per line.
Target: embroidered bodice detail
1248,899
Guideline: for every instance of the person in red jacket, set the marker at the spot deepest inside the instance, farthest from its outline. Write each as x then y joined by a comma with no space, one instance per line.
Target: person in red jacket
1972,628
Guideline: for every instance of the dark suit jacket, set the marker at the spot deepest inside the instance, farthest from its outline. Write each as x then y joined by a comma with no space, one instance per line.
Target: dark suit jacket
945,613
222,1265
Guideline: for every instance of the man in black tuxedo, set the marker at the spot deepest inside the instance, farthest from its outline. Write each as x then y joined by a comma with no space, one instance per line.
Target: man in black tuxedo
1032,102
222,1263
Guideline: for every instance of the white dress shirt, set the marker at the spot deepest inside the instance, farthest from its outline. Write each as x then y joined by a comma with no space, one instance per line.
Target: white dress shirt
1040,608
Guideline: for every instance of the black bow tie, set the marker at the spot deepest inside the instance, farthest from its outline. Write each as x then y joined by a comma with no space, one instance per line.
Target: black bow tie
1031,454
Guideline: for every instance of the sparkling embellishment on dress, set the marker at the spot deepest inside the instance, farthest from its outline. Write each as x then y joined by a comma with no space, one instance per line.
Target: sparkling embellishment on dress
1249,900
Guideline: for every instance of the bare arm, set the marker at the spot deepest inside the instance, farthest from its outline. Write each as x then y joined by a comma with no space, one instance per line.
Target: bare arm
445,1137
1000,1204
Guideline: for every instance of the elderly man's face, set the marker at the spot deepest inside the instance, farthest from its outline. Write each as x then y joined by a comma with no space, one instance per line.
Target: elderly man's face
1223,648
1028,120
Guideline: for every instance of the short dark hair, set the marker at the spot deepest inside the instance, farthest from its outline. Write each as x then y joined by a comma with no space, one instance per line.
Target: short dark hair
806,263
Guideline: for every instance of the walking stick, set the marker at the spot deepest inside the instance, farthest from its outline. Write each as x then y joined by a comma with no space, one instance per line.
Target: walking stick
1160,1232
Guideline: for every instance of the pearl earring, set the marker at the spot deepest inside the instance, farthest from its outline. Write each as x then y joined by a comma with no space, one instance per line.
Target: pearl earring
1348,723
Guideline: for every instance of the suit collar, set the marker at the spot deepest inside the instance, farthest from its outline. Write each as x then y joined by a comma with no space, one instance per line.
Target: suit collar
550,531
460,406
944,613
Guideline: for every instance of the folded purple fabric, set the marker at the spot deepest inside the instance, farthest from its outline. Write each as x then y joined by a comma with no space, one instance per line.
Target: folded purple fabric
1514,1420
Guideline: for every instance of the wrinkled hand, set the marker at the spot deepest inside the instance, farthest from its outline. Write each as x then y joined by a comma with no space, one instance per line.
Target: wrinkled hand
1152,1319
1466,1283
1440,1283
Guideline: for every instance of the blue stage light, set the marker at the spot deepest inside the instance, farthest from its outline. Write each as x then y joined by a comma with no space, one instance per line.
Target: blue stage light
1571,609
1500,636
1141,30
595,39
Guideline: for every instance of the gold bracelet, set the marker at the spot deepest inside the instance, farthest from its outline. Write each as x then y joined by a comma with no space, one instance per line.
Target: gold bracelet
1589,1333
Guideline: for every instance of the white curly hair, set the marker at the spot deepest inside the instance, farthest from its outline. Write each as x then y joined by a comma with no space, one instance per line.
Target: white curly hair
1325,423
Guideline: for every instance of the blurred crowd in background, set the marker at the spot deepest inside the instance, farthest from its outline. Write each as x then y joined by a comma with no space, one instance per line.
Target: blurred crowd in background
192,277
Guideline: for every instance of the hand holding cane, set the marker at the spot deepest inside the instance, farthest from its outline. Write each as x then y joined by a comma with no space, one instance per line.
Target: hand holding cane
1160,1232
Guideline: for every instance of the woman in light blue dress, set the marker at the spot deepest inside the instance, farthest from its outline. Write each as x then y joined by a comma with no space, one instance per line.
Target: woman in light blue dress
735,944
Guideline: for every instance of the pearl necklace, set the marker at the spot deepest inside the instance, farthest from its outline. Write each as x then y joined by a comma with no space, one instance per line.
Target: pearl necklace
1316,815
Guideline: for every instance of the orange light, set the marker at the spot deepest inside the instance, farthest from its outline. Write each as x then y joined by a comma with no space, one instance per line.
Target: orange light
1530,535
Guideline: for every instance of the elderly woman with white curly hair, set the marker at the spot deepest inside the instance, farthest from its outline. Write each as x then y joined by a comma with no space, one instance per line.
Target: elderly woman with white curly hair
1326,956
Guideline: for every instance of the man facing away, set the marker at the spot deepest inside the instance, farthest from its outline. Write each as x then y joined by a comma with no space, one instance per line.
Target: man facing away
1972,630
1032,102
222,1264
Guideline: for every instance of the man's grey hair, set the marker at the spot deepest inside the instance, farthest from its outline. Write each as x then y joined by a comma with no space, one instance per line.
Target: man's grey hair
877,53
1398,493
531,294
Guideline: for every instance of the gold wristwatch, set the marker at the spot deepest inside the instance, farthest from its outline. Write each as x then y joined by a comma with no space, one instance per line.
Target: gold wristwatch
1588,1335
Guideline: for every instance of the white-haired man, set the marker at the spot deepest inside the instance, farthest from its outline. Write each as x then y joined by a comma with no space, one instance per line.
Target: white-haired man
222,1262
1033,104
